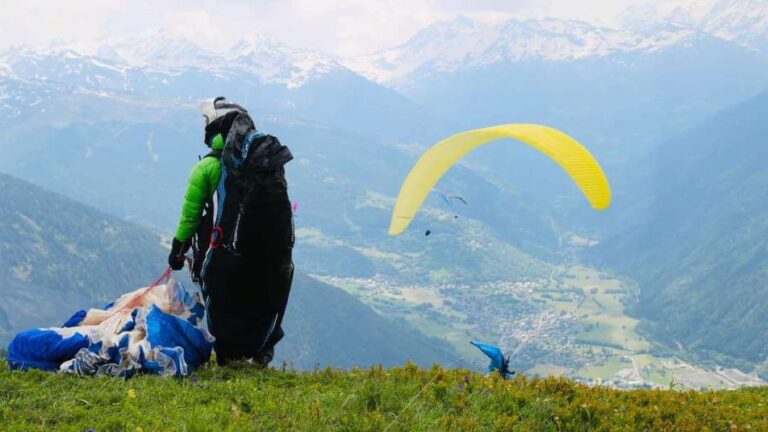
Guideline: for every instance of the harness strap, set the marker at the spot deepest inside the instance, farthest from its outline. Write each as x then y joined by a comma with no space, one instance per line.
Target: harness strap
213,153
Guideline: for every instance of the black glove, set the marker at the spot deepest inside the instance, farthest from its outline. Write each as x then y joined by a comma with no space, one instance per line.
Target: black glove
177,256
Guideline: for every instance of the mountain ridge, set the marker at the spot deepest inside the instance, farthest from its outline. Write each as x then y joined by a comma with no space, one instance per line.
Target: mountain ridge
465,43
157,51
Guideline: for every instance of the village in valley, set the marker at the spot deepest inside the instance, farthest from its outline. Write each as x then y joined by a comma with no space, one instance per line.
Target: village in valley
571,324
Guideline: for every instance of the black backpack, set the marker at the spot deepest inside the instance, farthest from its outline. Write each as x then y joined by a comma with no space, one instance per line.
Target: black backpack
250,213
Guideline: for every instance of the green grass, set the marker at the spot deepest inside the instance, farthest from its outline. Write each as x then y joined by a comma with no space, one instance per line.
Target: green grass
399,399
610,367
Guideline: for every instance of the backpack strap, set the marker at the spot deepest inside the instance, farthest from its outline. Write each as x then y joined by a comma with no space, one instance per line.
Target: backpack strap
213,153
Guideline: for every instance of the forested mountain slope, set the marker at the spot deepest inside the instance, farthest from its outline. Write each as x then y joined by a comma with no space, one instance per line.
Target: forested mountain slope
701,256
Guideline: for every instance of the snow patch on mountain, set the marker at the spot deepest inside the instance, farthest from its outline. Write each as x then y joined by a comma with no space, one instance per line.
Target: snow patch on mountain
649,15
5,69
9,100
153,155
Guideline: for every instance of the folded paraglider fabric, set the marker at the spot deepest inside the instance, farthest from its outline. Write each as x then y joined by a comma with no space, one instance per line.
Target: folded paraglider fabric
159,329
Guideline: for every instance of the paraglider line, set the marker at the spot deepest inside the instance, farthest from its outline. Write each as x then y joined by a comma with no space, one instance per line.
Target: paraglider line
416,396
410,402
165,277
397,417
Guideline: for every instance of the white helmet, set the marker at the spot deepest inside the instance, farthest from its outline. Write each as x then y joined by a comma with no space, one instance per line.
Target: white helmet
215,108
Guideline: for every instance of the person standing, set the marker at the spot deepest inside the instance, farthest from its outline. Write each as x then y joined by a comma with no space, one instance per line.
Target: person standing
238,220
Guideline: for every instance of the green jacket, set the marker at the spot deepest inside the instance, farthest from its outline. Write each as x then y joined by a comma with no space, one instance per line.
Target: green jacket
203,181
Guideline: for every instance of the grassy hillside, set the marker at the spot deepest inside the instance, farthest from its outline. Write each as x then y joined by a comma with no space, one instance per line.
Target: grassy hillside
399,399
59,256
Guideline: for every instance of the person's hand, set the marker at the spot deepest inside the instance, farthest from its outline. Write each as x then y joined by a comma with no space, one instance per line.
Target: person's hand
176,258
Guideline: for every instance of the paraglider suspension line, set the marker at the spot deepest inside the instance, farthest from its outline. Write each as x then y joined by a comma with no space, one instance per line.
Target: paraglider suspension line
412,400
164,278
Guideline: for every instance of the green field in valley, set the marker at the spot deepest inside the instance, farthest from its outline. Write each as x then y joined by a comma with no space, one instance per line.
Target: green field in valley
599,304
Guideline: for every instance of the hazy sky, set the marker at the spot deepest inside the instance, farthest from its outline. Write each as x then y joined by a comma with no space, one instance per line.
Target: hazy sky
342,27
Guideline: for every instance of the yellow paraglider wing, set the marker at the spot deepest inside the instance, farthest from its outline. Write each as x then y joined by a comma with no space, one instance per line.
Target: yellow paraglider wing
564,150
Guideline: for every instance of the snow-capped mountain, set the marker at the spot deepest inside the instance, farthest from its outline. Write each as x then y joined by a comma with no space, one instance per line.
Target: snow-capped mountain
266,57
156,68
63,83
263,58
741,21
260,55
62,66
34,81
155,48
465,43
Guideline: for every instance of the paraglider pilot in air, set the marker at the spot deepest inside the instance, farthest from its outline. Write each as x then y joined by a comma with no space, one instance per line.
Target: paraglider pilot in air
237,219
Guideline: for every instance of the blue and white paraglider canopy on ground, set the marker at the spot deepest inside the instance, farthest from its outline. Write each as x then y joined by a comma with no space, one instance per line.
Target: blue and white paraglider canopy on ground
159,329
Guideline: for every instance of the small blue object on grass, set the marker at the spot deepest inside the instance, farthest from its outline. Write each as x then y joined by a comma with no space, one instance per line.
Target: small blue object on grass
499,362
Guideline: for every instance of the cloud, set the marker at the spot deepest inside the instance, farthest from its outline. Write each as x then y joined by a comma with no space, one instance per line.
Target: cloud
342,27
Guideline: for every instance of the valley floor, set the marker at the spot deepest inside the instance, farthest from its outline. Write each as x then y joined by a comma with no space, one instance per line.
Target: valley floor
571,324
398,399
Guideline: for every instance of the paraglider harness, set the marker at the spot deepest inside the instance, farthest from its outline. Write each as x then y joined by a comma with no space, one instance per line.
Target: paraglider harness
499,360
505,372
